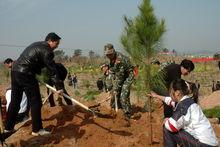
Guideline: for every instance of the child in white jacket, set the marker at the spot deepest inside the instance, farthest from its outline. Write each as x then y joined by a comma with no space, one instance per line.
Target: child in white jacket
188,126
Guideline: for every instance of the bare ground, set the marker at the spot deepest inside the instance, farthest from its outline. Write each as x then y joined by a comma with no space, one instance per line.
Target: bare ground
74,127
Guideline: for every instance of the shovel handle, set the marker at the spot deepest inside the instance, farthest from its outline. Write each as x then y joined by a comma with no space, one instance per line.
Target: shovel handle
68,97
47,98
116,102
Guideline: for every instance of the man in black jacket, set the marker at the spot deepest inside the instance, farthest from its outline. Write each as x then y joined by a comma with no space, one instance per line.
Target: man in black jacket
35,57
173,72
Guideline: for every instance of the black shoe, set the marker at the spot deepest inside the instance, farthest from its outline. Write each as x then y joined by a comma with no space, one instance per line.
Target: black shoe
25,118
127,115
127,122
8,133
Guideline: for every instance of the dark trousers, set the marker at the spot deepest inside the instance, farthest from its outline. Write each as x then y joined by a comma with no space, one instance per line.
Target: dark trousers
74,85
20,117
28,83
51,97
182,138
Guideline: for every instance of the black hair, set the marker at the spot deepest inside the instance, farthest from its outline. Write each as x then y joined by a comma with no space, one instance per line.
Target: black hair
8,61
187,64
181,85
155,62
194,91
52,36
186,88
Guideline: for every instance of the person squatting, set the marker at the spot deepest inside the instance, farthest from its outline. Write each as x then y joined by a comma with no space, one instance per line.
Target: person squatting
188,126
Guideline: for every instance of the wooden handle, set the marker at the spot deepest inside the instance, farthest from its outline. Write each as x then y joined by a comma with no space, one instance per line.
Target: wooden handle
1,120
116,103
68,97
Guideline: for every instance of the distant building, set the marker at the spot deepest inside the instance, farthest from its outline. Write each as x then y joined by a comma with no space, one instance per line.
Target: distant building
167,53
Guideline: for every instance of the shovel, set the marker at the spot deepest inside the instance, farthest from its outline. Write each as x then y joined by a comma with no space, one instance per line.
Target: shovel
2,139
72,99
116,102
99,104
47,98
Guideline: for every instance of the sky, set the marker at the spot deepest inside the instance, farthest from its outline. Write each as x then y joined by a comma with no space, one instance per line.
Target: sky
192,25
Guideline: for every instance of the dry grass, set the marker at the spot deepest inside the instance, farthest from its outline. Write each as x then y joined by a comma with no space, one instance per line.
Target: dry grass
205,73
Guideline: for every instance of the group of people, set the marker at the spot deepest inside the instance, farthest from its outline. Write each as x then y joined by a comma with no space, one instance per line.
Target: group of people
72,80
184,122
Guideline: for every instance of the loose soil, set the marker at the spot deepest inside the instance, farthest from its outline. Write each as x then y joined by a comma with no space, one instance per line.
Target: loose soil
75,127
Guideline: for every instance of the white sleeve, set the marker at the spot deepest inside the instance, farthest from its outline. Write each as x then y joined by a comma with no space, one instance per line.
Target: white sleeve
169,101
23,105
8,98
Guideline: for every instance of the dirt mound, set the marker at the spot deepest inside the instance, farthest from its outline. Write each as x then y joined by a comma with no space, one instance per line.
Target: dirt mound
73,126
76,127
211,100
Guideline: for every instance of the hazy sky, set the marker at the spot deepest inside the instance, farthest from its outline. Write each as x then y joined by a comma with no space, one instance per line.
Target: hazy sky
90,24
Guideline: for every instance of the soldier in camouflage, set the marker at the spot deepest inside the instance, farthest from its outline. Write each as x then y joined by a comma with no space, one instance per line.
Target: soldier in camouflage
121,66
107,77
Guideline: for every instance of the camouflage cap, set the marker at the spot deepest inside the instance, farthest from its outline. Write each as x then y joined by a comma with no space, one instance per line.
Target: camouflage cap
109,49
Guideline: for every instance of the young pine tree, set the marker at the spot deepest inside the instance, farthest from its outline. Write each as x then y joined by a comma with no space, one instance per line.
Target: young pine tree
140,37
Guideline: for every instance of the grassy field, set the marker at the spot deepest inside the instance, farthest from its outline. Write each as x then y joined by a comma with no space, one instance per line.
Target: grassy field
204,73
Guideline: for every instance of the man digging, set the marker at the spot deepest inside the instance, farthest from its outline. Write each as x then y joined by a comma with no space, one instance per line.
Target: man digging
121,66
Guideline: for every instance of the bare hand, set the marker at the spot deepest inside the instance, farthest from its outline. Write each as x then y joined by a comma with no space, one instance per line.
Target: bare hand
152,94
165,119
109,93
60,92
115,92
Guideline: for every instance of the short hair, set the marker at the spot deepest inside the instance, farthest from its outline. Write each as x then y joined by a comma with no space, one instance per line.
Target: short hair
8,61
155,62
52,36
187,64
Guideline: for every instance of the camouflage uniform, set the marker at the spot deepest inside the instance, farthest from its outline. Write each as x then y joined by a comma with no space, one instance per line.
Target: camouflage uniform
108,80
124,76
